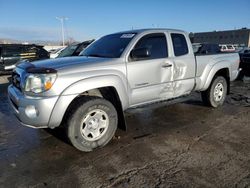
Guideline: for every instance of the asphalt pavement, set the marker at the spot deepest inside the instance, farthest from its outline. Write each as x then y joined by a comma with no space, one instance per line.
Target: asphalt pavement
166,145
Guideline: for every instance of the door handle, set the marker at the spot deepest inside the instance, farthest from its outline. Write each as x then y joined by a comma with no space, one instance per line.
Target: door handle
166,65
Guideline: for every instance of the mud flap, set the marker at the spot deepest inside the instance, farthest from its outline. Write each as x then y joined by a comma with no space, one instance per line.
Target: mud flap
121,120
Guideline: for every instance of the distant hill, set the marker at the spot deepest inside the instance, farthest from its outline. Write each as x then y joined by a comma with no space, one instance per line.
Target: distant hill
40,42
9,41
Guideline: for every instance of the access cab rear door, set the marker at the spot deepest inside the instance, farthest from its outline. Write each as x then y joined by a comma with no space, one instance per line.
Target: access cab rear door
184,63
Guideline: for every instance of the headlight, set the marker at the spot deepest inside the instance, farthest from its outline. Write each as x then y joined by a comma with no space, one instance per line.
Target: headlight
38,83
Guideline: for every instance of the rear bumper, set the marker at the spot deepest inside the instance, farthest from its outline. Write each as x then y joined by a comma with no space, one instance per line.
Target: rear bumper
239,71
33,112
235,74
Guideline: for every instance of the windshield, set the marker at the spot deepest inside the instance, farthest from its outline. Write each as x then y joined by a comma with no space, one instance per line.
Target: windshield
58,50
110,46
68,51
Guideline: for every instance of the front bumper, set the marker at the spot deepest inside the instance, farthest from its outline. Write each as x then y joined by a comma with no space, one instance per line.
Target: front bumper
33,112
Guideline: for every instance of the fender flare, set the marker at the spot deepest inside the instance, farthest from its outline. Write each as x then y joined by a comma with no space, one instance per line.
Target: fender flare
81,86
207,78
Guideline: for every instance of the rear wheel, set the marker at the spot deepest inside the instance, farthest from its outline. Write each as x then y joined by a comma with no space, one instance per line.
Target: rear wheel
215,95
92,124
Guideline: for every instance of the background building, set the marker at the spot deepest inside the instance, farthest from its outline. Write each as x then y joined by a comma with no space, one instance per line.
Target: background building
240,37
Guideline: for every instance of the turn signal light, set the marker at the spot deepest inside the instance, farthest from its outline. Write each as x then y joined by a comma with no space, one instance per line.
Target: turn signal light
48,85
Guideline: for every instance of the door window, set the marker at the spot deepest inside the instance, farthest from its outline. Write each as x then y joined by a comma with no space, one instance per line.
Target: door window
29,49
179,44
12,51
155,43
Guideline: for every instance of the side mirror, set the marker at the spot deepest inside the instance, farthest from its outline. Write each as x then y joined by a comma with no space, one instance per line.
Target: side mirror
140,53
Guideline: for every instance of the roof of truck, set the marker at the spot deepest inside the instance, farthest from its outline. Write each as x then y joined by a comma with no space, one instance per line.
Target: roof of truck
151,29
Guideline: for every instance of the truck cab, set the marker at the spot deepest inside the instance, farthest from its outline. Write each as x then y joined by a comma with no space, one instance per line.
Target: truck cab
153,65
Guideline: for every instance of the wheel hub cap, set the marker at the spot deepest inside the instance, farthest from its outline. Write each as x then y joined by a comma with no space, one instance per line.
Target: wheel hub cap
93,123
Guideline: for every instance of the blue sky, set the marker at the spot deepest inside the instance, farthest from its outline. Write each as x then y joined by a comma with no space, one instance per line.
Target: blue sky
35,19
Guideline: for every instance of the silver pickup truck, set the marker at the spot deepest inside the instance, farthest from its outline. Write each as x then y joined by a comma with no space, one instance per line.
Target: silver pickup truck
88,94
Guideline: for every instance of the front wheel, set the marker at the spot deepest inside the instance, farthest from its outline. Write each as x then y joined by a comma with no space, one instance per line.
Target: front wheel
215,95
92,124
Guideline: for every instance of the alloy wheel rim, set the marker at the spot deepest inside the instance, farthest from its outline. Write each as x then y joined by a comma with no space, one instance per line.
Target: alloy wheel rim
218,92
94,125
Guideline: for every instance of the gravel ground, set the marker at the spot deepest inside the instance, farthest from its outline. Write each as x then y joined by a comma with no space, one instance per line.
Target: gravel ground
177,145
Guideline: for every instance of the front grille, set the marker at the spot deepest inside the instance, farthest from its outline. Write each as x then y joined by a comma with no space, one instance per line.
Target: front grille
16,80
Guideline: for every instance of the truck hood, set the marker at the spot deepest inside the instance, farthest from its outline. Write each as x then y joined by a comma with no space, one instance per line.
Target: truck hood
63,63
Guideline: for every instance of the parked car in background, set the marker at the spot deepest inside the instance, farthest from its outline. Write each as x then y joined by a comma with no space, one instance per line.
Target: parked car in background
88,94
55,53
11,54
227,48
74,49
245,62
53,50
206,48
244,51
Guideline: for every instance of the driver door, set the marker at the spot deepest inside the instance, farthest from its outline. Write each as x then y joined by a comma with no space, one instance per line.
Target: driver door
150,78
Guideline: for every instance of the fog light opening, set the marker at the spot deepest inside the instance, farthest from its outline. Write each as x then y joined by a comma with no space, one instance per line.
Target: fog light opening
31,111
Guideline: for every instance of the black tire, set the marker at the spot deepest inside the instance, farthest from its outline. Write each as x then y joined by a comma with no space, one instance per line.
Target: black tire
76,123
208,96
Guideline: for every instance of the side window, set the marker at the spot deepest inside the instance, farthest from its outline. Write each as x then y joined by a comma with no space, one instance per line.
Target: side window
30,49
79,49
41,52
215,49
179,44
12,51
155,43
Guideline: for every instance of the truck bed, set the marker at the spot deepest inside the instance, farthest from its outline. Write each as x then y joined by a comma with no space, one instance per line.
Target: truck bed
207,61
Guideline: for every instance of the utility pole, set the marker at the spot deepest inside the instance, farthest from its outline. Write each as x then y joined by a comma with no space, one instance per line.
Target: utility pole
62,19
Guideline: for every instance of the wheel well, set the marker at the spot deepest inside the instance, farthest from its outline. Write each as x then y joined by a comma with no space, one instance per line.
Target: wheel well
108,93
225,73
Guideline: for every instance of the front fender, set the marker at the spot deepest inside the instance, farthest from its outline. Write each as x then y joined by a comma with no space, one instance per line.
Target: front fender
75,89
